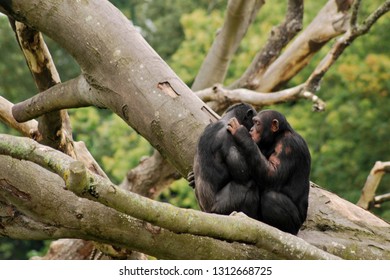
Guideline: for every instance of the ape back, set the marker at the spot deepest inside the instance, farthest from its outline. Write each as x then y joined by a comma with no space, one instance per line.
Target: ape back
221,173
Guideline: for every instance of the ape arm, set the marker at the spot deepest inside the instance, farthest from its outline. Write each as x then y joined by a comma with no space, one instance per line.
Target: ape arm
262,167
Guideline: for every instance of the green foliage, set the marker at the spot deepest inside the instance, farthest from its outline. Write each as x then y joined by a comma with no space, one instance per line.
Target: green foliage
200,30
180,195
159,20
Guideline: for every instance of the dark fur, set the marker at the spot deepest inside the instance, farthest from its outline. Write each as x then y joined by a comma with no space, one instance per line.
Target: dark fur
223,182
280,168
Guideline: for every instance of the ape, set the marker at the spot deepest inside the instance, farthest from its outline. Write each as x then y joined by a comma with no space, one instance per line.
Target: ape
221,177
279,166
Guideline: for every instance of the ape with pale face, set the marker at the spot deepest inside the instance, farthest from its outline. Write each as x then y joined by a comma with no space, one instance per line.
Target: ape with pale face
279,162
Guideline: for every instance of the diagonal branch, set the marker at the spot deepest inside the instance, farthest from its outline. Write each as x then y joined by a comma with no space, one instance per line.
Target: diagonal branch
160,214
239,16
354,31
279,38
54,129
367,198
329,23
28,129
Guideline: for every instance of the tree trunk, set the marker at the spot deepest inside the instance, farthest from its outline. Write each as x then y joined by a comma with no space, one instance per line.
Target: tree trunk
123,73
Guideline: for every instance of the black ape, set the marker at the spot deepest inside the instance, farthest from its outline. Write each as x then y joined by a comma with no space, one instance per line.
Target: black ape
223,183
280,166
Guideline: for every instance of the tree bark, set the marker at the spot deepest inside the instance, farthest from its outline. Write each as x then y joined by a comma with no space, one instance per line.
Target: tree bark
122,72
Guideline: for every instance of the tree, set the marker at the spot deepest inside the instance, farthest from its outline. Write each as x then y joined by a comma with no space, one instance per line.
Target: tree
122,73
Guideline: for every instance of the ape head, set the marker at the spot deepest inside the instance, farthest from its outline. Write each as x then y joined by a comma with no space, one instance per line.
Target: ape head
267,126
243,112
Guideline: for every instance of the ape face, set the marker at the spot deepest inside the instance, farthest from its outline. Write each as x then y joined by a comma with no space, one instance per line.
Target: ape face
264,128
257,130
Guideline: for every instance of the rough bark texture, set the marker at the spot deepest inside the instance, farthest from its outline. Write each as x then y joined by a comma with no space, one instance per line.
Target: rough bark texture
124,74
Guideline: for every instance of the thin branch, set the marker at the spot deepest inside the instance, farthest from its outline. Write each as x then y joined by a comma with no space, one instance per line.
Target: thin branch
355,13
380,199
71,94
372,18
239,15
163,214
226,97
368,192
313,82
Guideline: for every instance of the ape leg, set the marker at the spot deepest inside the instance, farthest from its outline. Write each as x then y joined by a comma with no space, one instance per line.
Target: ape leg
237,197
279,211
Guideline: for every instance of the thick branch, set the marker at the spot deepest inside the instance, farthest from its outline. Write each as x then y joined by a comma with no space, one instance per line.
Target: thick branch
239,15
72,94
330,22
279,38
134,82
161,214
38,199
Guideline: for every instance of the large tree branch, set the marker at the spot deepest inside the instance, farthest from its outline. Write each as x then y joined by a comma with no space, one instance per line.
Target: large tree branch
134,81
38,200
181,221
326,211
71,94
355,30
239,15
279,38
330,22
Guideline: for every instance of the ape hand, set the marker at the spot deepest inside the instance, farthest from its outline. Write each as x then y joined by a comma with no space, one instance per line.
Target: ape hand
233,125
191,179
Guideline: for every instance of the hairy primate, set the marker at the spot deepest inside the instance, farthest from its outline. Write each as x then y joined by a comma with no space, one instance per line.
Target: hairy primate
279,165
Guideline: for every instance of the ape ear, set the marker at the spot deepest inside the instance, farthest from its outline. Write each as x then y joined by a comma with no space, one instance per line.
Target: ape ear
250,113
275,125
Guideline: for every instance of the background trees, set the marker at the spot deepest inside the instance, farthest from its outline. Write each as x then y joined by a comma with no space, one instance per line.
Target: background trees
345,140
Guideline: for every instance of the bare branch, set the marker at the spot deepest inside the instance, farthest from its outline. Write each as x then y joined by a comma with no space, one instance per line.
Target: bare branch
239,16
372,18
379,199
54,128
313,82
226,97
40,198
28,129
368,192
162,214
279,38
71,94
354,13
329,23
